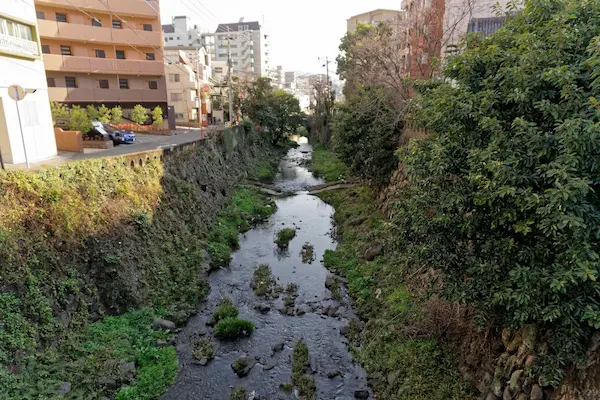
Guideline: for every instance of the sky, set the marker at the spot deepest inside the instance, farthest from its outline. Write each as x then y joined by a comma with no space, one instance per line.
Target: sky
300,31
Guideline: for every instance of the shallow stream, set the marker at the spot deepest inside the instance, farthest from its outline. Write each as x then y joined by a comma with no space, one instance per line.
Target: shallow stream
319,326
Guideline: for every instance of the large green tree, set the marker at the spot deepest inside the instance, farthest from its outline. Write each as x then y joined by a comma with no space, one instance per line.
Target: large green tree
503,196
276,111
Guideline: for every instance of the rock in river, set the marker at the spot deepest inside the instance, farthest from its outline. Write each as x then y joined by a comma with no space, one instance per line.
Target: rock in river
163,324
243,365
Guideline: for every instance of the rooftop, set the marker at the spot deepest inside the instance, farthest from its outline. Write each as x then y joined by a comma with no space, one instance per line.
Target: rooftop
376,11
252,26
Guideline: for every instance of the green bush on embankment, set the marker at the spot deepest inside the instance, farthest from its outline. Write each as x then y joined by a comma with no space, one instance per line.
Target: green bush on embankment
403,358
100,237
327,165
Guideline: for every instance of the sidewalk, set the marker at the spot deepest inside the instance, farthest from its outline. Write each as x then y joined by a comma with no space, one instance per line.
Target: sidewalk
144,142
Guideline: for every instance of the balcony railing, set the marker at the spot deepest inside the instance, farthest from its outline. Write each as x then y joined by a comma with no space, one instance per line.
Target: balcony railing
56,62
19,46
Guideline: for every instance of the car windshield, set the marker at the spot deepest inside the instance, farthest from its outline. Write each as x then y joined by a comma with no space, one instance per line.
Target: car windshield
101,130
108,128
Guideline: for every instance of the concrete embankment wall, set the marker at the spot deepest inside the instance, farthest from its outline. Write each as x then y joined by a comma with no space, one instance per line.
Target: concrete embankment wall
96,237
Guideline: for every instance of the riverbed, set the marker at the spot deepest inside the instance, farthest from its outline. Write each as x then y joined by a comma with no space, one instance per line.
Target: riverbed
318,324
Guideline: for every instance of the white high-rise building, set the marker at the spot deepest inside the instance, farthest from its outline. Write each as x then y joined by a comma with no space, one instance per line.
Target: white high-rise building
248,45
181,33
277,77
21,64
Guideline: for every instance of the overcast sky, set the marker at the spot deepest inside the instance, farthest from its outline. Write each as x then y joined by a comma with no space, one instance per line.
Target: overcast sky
301,31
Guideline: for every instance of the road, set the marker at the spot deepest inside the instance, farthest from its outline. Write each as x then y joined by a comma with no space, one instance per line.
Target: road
143,142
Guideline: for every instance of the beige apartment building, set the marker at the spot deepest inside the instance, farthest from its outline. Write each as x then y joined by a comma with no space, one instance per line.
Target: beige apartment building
103,51
372,17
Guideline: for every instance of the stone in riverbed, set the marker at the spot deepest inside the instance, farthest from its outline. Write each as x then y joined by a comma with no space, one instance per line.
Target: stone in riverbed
373,252
330,282
263,308
361,394
243,365
333,373
277,347
163,324
64,388
344,330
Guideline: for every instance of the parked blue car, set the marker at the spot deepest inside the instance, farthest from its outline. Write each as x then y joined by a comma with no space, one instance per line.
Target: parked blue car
119,136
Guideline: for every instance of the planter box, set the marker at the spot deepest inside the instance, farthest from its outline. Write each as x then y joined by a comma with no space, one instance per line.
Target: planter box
68,140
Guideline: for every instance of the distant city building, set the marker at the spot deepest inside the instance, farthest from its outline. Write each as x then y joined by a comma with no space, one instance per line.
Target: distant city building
189,84
373,18
277,77
181,33
21,64
248,46
94,54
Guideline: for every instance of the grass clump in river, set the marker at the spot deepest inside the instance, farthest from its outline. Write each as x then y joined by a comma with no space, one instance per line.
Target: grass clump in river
300,372
327,165
284,237
226,309
393,313
248,207
203,349
262,280
307,253
233,328
291,295
238,393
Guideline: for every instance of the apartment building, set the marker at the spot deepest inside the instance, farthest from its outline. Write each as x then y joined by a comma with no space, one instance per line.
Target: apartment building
103,52
182,33
189,84
21,64
248,45
277,77
372,17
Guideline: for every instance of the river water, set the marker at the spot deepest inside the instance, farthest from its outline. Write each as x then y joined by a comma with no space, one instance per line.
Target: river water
328,349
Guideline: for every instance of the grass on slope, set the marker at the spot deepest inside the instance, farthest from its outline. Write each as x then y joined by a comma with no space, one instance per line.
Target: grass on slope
327,165
402,365
95,354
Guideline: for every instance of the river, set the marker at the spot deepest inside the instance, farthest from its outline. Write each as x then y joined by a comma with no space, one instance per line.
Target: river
328,350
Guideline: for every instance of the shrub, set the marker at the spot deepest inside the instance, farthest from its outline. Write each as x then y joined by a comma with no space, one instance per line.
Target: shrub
284,237
233,328
116,115
238,393
225,310
59,111
79,120
139,115
502,197
300,369
157,115
327,165
104,114
366,133
203,349
92,113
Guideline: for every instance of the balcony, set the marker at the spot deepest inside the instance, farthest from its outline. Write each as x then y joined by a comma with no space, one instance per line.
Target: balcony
18,46
58,63
142,8
106,95
95,34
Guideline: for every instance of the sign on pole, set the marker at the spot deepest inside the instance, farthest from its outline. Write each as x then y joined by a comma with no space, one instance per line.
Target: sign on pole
17,93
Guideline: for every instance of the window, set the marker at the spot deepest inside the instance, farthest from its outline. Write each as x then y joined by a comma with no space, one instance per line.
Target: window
218,70
61,17
189,37
153,85
424,58
45,49
120,54
176,97
15,29
70,82
148,27
96,22
178,116
51,82
178,38
40,15
150,57
100,54
65,50
117,25
174,78
103,83
123,84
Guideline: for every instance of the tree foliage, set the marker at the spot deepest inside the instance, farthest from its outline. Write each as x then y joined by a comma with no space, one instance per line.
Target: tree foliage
139,115
116,115
502,196
79,120
366,133
276,111
157,115
59,111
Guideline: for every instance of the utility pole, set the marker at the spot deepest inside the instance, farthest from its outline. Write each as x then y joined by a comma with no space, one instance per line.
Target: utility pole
230,63
326,65
198,99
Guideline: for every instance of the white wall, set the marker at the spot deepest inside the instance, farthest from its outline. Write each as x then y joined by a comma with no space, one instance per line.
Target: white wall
35,108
